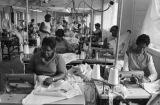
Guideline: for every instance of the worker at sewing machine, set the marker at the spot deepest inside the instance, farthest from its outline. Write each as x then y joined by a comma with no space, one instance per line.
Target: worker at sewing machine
137,58
97,34
46,62
62,45
111,39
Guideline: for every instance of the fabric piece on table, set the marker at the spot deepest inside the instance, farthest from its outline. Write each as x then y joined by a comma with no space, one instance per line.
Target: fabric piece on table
153,87
56,91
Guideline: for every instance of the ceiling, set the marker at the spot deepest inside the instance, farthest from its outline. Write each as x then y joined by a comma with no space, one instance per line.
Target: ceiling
55,5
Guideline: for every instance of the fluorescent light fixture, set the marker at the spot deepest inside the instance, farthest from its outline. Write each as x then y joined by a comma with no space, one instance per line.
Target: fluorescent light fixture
36,10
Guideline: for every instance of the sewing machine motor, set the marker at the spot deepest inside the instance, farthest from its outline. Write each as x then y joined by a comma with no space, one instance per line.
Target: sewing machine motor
15,83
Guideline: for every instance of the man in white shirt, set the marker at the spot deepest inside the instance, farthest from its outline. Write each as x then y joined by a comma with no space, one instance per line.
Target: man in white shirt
45,27
110,41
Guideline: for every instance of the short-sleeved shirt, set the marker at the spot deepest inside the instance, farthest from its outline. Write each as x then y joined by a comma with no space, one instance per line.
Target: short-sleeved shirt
134,63
51,68
63,46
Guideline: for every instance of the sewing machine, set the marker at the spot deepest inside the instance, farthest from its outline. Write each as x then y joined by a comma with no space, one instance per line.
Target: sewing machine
17,83
131,77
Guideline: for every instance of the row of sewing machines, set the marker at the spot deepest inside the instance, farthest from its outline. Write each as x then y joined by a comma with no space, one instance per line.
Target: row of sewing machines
17,83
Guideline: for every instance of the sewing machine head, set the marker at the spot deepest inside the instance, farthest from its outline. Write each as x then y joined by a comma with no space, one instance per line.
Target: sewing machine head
14,83
131,77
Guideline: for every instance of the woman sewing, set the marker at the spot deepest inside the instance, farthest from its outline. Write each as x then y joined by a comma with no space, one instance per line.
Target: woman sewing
62,45
47,62
137,58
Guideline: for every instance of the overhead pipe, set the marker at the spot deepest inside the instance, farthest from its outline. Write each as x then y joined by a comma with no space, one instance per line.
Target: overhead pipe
27,18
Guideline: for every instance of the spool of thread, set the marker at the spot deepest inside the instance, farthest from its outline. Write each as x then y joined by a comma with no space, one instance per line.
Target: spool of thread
96,72
26,49
113,76
83,55
21,47
96,55
38,41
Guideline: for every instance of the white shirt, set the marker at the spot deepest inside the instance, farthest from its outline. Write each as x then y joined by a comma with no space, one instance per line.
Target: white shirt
47,27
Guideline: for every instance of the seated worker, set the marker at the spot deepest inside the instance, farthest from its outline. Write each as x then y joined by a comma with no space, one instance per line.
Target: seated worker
62,46
97,34
110,41
47,62
137,58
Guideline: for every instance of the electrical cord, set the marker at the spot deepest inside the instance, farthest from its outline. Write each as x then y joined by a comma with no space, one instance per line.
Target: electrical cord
110,4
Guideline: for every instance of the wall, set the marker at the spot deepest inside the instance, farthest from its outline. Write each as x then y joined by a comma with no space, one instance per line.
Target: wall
127,14
133,15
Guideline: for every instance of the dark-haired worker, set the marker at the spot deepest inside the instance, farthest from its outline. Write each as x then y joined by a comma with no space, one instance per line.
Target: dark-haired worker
124,40
62,46
137,58
111,40
47,62
45,27
97,34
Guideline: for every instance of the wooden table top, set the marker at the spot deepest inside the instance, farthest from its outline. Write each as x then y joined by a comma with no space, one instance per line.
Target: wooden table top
16,99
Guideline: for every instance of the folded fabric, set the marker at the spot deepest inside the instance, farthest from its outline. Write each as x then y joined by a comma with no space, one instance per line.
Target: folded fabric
120,90
152,87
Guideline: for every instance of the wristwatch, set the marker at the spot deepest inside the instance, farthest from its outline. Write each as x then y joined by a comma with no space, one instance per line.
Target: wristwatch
149,79
53,79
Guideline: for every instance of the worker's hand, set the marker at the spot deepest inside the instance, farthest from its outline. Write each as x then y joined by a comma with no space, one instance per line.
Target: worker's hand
47,81
146,80
77,71
85,78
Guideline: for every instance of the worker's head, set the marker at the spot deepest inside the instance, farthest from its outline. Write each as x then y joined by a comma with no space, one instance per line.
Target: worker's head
48,47
142,42
129,31
59,33
47,17
97,26
32,20
114,30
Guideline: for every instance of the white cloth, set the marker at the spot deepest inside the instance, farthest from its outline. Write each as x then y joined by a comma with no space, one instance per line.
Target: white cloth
47,27
68,57
123,43
153,87
56,91
32,99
